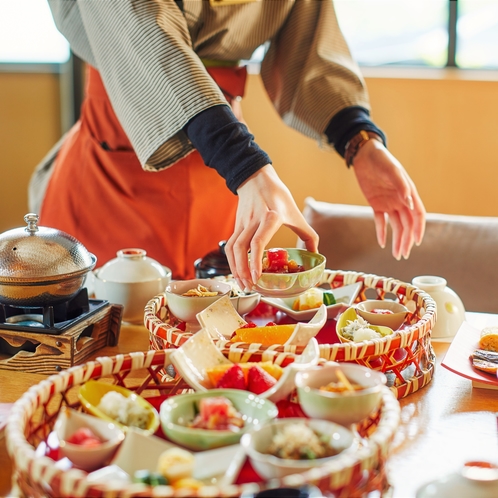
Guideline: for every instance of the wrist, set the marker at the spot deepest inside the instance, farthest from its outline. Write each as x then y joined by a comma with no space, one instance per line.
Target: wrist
259,177
357,142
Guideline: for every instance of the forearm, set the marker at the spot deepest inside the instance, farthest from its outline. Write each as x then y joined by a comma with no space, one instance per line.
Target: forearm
226,145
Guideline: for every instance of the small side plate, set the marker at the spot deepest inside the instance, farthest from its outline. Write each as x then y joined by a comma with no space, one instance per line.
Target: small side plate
344,296
220,466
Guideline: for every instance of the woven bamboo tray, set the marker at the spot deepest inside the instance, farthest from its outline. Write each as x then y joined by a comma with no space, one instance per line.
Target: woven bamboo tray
33,416
407,358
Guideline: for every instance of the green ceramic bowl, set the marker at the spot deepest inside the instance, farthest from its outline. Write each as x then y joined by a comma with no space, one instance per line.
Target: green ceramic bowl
292,284
176,413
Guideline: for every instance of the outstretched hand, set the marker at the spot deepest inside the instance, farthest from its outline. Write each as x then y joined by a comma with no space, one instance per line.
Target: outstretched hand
393,197
265,204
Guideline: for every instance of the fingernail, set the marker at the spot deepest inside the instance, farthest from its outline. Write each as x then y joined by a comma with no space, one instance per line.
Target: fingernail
255,277
409,201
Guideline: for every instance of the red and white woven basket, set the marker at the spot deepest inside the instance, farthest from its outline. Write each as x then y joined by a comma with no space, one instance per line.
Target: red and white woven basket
33,416
407,358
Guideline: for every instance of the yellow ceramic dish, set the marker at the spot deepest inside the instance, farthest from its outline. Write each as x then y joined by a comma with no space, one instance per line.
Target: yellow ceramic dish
351,315
92,391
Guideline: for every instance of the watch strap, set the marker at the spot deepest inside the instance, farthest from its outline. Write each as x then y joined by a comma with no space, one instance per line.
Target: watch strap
357,142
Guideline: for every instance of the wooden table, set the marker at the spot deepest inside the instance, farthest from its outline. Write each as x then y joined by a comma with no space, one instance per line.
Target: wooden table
442,426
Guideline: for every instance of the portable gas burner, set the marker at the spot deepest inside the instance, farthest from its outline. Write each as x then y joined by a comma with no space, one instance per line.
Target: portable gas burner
51,338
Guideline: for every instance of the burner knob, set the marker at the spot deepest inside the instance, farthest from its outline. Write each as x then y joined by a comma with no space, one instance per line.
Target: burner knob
32,220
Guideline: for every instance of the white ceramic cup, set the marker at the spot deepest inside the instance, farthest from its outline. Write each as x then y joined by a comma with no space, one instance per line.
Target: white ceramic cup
450,311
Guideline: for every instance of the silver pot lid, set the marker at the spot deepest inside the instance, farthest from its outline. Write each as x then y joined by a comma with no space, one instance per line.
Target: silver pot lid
35,253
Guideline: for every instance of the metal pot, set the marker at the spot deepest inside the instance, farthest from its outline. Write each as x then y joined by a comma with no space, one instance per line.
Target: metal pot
41,266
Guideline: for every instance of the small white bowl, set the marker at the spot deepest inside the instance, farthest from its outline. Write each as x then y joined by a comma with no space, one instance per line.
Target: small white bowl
268,466
474,479
344,408
393,320
130,279
292,284
246,303
186,308
243,302
87,458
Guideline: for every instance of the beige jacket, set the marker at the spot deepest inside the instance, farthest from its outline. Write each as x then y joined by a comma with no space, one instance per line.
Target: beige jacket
148,54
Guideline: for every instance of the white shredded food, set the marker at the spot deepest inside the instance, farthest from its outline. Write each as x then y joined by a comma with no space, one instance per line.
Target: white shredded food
125,410
299,442
359,330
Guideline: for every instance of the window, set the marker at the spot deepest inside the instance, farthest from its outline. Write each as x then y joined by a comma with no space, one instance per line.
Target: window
395,31
477,34
28,33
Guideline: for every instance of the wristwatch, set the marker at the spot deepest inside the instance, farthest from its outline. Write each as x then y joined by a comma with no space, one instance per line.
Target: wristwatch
357,142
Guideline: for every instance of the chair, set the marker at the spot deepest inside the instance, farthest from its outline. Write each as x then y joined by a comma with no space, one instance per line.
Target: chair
461,249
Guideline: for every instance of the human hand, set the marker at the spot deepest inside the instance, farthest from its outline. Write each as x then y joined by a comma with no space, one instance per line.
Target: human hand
393,197
265,204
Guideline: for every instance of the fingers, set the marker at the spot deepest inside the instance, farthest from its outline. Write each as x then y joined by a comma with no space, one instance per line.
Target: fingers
397,228
380,228
304,231
407,235
418,219
259,241
255,237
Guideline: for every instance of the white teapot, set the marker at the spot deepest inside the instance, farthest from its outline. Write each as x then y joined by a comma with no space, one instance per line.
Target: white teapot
131,279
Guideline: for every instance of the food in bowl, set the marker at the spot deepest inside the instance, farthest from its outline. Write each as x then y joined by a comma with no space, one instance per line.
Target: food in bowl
186,307
384,313
175,467
88,442
258,443
341,385
124,409
253,377
360,330
346,406
216,372
175,464
298,441
269,334
201,291
219,414
313,298
132,409
84,436
277,260
292,283
176,413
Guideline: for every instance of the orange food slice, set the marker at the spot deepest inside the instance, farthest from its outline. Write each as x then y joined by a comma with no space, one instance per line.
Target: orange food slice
216,373
268,335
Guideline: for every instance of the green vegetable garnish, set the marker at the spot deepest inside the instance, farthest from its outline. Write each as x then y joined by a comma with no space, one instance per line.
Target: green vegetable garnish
328,298
308,454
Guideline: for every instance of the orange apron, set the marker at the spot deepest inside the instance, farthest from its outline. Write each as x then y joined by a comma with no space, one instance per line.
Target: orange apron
100,194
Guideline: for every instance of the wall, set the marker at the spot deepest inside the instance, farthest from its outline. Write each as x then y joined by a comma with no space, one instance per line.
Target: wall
440,124
29,126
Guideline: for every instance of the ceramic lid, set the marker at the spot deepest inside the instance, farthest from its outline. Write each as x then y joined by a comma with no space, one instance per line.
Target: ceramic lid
132,265
35,253
213,264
